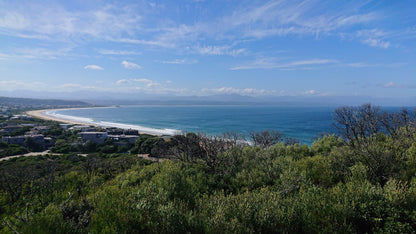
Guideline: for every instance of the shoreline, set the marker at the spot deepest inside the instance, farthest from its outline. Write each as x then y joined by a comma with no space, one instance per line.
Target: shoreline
41,115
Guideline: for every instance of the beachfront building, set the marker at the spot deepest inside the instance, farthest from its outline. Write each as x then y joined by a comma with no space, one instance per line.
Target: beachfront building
11,128
120,131
82,128
21,117
123,139
96,137
131,132
43,142
39,130
16,140
65,126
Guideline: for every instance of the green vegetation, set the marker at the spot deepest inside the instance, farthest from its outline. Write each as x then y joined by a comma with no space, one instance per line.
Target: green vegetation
363,181
10,149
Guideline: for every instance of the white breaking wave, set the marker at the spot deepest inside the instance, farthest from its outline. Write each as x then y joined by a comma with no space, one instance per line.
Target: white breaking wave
156,131
69,117
140,128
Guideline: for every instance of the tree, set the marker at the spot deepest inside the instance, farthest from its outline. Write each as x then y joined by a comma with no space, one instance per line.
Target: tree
145,144
32,145
364,129
399,123
358,125
266,138
235,138
89,147
186,147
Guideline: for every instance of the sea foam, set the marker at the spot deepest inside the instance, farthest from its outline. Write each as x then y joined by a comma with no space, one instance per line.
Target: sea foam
84,120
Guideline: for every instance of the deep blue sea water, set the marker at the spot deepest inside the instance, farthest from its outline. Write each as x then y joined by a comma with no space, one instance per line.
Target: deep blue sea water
303,123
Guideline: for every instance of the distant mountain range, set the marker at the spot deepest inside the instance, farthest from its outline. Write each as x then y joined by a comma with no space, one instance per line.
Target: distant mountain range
41,103
84,98
244,100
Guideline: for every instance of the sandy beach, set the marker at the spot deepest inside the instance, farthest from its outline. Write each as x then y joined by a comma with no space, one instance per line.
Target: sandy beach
41,115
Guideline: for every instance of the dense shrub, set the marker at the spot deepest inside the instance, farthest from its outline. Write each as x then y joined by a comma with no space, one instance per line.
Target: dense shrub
364,184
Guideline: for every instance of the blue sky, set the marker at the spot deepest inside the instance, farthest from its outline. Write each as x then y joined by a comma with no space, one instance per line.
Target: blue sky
197,47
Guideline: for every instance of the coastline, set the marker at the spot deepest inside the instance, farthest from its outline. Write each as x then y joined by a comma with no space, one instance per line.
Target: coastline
41,115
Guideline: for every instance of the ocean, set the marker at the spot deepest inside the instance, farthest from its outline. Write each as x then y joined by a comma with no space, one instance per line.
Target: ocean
302,123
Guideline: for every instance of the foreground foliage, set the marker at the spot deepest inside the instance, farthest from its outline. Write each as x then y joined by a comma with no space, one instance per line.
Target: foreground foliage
336,185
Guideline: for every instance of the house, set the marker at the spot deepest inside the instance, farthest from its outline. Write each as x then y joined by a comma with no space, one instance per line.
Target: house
131,132
65,126
43,142
3,132
16,140
82,128
124,139
48,142
96,137
114,131
28,125
119,131
11,128
40,129
22,117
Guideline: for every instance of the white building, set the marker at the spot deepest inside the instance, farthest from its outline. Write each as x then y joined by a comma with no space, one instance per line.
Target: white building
96,137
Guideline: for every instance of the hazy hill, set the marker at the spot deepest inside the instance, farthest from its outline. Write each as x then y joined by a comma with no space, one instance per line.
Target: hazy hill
40,103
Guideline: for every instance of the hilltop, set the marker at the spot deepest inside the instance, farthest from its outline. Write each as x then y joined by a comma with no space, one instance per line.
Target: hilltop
40,103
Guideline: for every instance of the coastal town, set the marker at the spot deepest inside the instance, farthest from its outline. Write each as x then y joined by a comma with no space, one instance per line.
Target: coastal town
22,133
86,133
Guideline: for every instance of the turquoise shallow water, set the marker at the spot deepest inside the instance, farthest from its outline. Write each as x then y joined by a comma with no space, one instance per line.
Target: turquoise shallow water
303,123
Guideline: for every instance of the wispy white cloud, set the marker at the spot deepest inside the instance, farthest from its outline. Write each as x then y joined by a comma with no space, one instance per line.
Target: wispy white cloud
144,80
176,61
369,65
75,87
130,65
282,17
310,62
4,56
218,50
149,83
374,38
147,86
133,82
118,52
135,24
11,85
392,84
361,65
311,92
376,43
180,61
159,43
123,82
284,64
93,67
57,23
132,86
231,90
271,63
35,53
